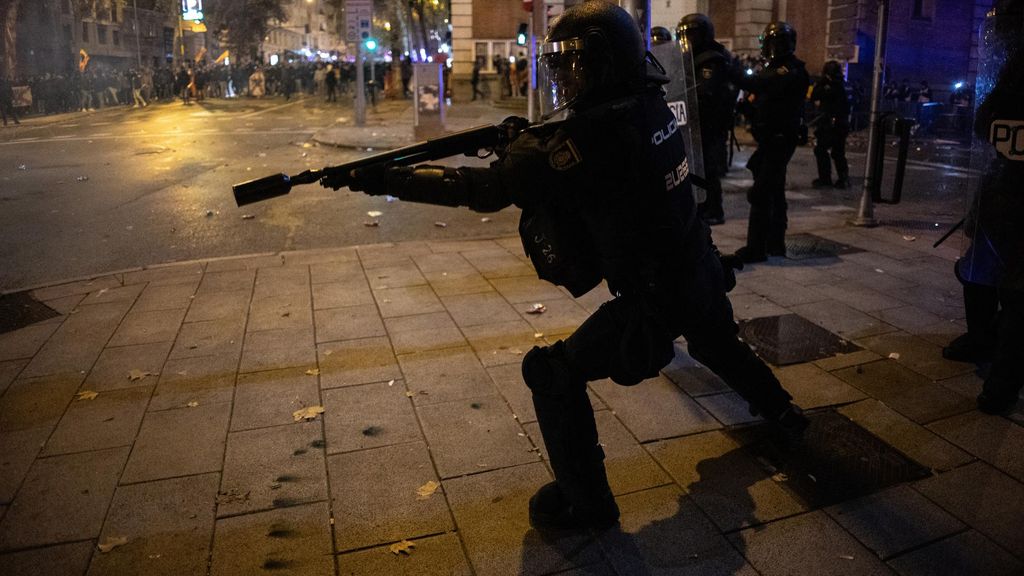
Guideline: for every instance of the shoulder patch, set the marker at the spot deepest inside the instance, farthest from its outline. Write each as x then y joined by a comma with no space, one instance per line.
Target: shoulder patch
706,73
565,156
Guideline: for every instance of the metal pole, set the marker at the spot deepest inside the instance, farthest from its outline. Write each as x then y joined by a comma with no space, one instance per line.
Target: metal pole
536,23
138,48
360,87
866,215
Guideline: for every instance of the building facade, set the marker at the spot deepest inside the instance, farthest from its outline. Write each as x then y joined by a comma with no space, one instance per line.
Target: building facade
931,40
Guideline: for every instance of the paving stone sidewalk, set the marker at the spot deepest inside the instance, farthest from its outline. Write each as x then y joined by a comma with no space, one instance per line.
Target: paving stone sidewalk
167,421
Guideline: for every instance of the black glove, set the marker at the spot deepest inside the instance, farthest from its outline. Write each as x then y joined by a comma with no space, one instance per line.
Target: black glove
372,179
730,263
511,128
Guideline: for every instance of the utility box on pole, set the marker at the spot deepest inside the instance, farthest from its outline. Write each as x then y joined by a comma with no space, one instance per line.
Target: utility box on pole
428,92
358,26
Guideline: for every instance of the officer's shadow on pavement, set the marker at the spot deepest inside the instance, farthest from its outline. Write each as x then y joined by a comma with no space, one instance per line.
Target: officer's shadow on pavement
663,531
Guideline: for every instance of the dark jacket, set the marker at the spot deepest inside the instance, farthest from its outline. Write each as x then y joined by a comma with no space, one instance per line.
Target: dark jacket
779,92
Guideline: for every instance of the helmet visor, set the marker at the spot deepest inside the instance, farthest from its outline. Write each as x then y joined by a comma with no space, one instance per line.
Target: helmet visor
560,75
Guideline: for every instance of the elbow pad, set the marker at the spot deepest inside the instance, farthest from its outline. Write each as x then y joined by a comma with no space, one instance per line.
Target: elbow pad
429,184
476,188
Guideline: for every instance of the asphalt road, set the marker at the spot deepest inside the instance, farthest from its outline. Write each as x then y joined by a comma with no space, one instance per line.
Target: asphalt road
122,188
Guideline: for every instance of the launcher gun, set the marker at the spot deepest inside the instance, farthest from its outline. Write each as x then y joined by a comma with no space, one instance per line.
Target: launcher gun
493,138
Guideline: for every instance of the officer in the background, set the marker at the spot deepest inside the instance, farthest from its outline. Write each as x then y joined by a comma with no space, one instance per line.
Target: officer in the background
716,103
992,268
778,91
831,126
606,195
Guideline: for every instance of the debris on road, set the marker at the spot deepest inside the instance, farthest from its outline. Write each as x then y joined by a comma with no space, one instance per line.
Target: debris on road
86,395
82,179
440,224
248,216
307,413
537,308
403,547
136,374
112,542
427,490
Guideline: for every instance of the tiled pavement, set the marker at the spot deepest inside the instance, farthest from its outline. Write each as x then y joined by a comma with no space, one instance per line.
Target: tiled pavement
190,449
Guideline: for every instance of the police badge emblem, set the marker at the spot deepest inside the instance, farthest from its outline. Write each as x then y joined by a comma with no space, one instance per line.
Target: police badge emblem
706,73
565,156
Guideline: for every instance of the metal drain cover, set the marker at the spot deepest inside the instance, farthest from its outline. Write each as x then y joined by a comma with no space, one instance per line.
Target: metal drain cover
791,339
837,461
806,246
19,309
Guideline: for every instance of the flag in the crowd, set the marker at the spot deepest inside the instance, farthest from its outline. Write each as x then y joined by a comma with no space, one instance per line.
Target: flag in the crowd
84,60
224,56
201,54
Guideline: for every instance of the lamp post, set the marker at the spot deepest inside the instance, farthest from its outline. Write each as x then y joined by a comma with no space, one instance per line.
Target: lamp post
138,47
866,214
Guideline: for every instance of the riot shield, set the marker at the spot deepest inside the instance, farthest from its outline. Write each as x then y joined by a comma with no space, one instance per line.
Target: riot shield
681,95
994,240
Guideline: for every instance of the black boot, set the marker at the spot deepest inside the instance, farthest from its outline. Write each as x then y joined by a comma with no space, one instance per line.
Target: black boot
821,183
580,497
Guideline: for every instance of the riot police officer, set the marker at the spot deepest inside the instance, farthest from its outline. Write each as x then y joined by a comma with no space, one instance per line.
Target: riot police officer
716,104
831,126
779,91
605,194
992,269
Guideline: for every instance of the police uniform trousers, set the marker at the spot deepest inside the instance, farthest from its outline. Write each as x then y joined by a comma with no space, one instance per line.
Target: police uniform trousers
715,159
628,339
829,147
766,227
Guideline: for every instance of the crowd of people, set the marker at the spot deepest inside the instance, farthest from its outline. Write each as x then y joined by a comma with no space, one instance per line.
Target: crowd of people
104,86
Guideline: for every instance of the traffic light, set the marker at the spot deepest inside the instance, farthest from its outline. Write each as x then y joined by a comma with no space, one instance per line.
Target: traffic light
371,44
521,35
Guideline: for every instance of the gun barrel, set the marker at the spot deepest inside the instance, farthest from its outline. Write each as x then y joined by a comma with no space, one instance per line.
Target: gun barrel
261,189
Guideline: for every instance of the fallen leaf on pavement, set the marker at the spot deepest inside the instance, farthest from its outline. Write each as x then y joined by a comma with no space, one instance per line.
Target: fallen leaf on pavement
537,309
307,413
403,547
313,372
538,334
86,395
112,542
427,490
136,374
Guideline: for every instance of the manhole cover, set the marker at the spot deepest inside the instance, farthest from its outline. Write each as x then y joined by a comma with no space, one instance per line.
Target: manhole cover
804,246
19,309
837,461
790,339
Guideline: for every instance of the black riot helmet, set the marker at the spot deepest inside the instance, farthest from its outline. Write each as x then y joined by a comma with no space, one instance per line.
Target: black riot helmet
832,70
592,51
698,31
660,35
778,41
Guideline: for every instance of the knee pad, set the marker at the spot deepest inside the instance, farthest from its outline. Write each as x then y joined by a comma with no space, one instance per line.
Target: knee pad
547,372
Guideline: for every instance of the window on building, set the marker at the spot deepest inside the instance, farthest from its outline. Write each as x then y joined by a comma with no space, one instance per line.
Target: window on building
923,9
101,34
85,31
116,36
114,16
67,34
65,7
489,50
